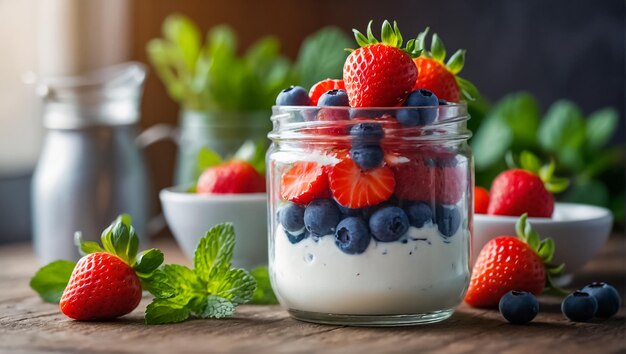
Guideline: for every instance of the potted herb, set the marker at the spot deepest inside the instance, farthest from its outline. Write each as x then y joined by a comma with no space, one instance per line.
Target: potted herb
225,97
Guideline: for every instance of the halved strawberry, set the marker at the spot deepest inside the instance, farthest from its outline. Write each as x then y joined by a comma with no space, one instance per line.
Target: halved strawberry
322,87
303,182
355,188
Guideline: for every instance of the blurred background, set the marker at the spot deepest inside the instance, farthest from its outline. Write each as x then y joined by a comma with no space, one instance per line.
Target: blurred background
523,56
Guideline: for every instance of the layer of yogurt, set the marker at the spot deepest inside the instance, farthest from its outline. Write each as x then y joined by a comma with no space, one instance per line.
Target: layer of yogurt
426,273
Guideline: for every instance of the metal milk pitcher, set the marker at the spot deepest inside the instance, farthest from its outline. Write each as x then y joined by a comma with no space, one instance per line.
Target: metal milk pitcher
90,169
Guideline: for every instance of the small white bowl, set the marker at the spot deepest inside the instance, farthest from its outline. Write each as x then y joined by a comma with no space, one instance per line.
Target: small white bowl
578,231
189,216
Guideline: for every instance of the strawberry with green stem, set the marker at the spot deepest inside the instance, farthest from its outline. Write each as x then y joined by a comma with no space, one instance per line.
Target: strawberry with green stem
438,76
508,263
380,74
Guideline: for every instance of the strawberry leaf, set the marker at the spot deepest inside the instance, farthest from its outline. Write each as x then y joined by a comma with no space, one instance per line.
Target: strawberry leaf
50,281
148,261
529,161
85,247
546,250
456,62
370,36
468,90
437,49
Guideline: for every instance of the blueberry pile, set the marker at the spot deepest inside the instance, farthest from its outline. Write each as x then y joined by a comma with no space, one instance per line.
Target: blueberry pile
353,229
597,299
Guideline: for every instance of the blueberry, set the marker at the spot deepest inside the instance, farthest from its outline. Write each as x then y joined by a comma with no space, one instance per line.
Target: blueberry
518,307
321,217
352,235
607,297
419,116
291,217
367,156
334,98
296,238
419,214
349,211
448,219
579,306
388,224
370,133
293,96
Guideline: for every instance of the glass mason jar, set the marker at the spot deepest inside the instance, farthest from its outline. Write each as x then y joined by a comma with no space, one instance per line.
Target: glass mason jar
370,219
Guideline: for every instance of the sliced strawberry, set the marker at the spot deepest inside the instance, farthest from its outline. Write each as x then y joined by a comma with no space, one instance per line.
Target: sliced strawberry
322,87
354,188
304,182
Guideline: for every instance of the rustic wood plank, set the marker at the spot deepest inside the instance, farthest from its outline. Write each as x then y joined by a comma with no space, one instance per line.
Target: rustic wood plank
28,325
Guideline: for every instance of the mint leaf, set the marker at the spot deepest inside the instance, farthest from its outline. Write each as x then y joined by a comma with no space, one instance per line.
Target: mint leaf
181,278
85,247
263,294
214,251
50,281
157,284
322,56
600,127
161,311
148,261
236,285
217,307
562,127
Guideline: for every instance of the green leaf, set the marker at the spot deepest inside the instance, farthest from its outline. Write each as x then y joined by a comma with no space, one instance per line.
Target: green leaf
468,90
421,39
322,56
157,283
253,153
456,62
181,278
371,39
547,171
546,250
214,251
263,294
217,307
562,127
557,185
361,40
530,161
520,226
85,247
50,281
206,158
600,127
594,192
532,237
148,261
181,31
437,49
235,285
491,142
162,311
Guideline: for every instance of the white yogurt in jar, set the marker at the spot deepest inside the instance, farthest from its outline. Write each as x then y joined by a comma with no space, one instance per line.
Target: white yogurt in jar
424,274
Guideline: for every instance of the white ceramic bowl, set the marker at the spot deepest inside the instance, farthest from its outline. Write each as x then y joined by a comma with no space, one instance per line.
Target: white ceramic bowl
189,216
578,231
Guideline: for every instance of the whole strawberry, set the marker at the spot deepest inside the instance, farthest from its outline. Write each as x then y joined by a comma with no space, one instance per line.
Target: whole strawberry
439,77
508,263
105,283
380,74
231,177
528,190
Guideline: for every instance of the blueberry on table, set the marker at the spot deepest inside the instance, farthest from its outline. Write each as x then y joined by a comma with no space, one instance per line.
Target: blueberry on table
579,306
293,96
367,156
370,133
321,217
388,224
448,219
518,307
352,235
607,297
334,98
419,116
295,238
419,214
291,217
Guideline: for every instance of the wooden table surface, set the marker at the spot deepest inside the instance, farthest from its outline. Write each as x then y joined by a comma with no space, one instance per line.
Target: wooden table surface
27,325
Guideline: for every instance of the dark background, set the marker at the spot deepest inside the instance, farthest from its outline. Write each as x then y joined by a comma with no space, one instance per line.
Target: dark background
553,49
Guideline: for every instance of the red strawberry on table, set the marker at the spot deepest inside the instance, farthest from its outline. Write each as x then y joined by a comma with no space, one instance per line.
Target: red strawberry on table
231,177
105,282
303,182
354,188
380,74
439,77
509,263
527,190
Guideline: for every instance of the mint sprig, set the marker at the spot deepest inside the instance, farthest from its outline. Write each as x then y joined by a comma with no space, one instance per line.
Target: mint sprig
212,289
263,295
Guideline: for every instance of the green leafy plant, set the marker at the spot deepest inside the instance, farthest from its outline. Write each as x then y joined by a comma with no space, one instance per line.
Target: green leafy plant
578,146
211,76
